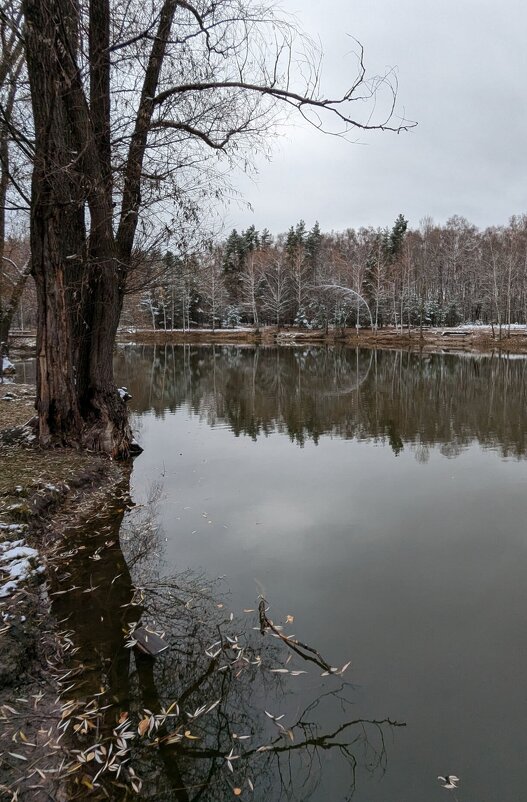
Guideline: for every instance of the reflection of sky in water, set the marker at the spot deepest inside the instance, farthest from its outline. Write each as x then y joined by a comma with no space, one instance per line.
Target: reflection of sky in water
414,570
411,565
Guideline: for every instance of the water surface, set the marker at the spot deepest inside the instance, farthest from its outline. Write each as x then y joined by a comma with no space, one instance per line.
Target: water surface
380,499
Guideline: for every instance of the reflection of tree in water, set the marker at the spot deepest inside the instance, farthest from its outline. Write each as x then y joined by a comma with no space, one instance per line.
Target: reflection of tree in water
389,396
218,710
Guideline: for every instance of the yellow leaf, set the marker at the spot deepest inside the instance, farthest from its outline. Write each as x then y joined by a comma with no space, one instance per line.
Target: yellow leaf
86,781
143,726
191,737
172,739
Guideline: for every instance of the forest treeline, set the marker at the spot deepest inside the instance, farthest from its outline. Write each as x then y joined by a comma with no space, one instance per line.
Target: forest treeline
432,276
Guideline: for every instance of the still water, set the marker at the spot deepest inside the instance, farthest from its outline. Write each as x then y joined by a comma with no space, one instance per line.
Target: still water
378,502
380,499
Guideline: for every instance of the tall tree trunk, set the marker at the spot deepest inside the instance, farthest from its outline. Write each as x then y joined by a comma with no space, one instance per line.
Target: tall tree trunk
78,280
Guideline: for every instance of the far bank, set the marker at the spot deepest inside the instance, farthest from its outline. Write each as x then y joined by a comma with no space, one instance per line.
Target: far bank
465,338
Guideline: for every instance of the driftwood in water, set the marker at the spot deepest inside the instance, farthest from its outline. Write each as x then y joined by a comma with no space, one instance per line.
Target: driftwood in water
294,644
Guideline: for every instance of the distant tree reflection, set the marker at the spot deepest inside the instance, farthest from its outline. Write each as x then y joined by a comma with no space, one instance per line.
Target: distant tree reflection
395,397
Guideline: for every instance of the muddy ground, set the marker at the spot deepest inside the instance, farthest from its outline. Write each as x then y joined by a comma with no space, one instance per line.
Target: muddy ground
42,493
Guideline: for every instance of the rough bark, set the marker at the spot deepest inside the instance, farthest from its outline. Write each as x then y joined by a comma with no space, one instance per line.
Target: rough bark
79,290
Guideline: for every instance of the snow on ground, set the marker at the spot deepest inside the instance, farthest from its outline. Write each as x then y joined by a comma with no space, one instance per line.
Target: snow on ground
226,330
17,563
7,365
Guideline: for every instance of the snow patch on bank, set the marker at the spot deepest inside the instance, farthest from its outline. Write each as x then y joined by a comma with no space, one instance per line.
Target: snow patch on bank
17,563
7,366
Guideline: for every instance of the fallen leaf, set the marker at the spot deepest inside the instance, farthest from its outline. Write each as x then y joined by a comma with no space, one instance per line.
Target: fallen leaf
143,726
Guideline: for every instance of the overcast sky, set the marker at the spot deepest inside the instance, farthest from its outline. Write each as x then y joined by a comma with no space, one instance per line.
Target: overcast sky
462,72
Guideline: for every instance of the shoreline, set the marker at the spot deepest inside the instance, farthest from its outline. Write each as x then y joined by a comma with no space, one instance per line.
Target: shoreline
470,340
42,495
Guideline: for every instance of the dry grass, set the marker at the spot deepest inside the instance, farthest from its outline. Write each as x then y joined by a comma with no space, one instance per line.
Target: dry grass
16,411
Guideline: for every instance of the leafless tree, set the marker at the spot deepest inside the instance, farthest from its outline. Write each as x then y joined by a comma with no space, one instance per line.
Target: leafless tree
13,272
138,105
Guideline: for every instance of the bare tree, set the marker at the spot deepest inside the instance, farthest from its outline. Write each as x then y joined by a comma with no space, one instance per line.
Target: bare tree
276,294
252,281
211,285
134,105
13,274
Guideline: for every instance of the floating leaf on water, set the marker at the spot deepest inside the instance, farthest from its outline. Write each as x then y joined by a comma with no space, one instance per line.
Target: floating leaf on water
274,718
191,737
289,619
236,791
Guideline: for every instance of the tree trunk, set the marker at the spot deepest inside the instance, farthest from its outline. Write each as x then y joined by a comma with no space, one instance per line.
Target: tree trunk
79,281
7,313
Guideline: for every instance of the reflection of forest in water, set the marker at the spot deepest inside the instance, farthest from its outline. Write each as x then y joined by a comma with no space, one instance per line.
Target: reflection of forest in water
386,396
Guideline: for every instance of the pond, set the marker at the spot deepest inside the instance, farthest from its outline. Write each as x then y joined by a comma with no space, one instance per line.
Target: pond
380,499
377,502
